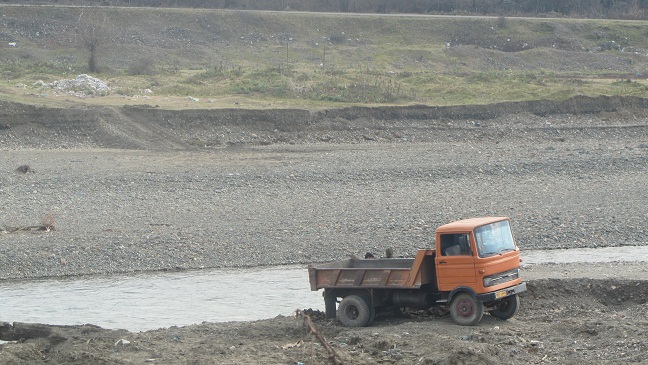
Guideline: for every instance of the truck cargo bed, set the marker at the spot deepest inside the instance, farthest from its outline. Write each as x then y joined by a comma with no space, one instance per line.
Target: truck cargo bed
403,273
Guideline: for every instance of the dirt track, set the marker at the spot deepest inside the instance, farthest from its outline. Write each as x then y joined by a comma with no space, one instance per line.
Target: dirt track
323,190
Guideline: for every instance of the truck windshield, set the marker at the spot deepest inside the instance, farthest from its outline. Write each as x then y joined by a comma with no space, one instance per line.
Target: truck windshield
494,239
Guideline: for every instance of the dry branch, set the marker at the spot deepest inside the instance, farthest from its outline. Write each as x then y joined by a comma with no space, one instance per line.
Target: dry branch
333,357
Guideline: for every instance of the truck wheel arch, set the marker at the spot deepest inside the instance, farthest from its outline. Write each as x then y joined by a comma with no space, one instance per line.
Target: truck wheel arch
462,289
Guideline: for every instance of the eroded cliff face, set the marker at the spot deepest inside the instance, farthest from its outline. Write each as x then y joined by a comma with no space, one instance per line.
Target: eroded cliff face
145,127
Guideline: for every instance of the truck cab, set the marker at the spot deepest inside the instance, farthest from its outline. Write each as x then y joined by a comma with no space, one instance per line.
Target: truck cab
478,260
476,253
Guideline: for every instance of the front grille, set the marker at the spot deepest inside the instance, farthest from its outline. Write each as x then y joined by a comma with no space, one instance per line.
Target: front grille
502,277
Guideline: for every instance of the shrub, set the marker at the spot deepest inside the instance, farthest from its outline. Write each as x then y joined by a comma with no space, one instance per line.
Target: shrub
337,38
142,66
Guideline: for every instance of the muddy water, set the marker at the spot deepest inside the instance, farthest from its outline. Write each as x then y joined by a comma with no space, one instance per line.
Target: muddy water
149,301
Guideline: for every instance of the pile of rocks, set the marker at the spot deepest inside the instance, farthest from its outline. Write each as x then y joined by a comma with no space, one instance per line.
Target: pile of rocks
82,85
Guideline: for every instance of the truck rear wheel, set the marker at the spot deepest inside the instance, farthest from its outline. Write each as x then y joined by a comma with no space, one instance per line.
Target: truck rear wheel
506,308
355,311
466,310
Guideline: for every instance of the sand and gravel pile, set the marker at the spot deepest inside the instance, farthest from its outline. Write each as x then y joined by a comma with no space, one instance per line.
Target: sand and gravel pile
82,85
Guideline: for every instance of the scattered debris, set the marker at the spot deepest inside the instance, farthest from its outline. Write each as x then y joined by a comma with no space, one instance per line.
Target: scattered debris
25,169
122,342
292,345
314,314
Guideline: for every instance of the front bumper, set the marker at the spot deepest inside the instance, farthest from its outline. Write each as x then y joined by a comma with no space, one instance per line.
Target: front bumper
503,293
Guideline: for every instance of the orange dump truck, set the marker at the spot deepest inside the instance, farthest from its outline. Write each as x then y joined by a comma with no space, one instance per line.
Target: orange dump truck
474,268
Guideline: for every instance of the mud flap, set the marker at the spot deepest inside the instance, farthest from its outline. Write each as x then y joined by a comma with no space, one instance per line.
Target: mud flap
330,301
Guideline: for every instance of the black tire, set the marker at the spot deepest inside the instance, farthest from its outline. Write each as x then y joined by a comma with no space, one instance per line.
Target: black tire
354,311
466,310
506,308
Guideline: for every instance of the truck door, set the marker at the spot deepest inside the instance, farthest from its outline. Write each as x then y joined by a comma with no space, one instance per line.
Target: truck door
455,262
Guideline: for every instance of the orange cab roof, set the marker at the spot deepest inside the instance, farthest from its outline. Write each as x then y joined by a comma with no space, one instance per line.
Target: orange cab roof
468,224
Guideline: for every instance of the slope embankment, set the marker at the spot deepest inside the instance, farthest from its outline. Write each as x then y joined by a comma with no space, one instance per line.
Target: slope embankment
144,127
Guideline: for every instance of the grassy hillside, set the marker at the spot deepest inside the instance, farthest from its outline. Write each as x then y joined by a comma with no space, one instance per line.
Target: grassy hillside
212,58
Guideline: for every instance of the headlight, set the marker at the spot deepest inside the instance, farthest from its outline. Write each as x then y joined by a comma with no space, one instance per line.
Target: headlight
488,281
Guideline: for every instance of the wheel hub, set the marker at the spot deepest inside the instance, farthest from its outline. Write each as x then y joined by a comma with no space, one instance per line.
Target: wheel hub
465,308
352,312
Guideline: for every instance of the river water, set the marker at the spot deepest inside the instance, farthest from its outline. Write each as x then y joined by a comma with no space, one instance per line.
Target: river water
154,300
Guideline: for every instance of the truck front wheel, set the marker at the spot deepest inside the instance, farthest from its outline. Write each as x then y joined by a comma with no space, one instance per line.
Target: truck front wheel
506,308
354,311
466,310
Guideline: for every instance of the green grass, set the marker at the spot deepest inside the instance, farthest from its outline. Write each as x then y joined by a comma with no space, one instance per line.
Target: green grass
319,60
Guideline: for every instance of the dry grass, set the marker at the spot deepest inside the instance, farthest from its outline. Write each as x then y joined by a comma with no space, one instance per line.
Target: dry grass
275,60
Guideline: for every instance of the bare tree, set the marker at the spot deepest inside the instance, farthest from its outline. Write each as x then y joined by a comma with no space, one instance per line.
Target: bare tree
94,32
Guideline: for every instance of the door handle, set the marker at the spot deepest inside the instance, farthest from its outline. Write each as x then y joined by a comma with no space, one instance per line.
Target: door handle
442,262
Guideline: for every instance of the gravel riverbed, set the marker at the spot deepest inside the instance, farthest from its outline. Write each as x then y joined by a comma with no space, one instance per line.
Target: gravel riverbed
565,180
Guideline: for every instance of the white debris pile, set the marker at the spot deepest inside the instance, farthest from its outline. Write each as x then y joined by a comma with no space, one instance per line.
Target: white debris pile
82,84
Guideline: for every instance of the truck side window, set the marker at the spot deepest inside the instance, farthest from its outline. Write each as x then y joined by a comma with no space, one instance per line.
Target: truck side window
455,245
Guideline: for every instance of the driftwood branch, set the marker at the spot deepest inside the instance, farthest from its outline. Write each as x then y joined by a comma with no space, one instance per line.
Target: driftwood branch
333,357
45,228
